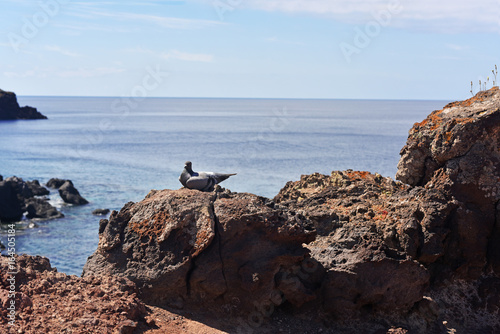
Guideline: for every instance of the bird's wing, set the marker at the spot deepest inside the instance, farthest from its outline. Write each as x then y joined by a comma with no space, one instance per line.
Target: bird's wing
201,182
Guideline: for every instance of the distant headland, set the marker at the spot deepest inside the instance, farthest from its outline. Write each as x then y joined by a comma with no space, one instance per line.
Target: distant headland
10,109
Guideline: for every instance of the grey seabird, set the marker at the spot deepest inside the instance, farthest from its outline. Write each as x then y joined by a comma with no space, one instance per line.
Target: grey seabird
204,181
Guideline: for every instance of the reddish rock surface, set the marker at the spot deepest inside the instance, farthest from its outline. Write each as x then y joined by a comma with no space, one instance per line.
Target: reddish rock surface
456,150
190,248
52,302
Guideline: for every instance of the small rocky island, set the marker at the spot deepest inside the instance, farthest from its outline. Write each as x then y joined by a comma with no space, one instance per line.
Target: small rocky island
349,252
10,109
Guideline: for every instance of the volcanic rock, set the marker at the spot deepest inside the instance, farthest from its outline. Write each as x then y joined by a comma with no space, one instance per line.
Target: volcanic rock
10,109
100,212
70,194
456,150
40,208
18,196
50,302
55,183
365,240
11,207
37,189
187,247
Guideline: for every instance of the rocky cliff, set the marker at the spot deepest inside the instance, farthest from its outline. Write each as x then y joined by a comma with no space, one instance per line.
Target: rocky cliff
342,253
10,109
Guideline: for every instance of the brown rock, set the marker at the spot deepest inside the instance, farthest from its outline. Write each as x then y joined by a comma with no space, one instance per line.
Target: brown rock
187,247
456,150
52,302
370,255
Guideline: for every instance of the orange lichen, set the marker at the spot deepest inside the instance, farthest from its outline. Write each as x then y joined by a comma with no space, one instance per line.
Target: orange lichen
356,175
202,238
447,136
479,97
151,227
434,120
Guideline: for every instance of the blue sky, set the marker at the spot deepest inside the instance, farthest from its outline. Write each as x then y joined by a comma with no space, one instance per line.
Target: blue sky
381,49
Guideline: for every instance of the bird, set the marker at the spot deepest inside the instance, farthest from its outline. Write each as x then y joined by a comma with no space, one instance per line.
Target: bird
204,181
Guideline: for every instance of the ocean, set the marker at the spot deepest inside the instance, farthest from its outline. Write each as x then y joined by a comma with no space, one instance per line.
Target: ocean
116,150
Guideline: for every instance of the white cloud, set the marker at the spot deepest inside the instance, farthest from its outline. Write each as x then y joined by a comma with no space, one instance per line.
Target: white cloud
89,11
176,55
58,49
72,73
429,15
457,47
197,57
89,72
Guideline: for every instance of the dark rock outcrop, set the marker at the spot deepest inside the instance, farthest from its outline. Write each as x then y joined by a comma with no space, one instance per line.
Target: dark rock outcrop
363,241
55,183
456,150
100,212
40,208
18,196
37,189
11,209
189,248
70,194
10,109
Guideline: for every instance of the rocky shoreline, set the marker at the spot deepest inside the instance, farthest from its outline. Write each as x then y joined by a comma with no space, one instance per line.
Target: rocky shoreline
349,252
29,198
10,109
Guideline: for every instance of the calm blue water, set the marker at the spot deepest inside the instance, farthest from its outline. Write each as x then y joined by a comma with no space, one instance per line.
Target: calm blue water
115,150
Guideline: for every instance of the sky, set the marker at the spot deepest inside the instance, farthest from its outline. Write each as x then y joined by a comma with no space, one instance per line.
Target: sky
332,49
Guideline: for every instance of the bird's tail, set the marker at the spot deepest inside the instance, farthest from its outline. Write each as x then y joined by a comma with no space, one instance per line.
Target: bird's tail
222,177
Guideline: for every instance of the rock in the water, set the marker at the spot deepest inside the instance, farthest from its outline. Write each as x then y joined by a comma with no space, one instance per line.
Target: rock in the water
40,208
11,207
18,196
100,212
22,189
70,194
10,109
55,183
37,189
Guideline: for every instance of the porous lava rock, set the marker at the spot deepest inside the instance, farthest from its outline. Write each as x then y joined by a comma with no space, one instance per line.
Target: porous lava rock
47,301
456,150
190,248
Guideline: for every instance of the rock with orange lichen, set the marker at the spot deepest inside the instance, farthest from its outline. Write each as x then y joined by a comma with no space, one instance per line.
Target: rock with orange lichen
456,150
186,248
368,241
